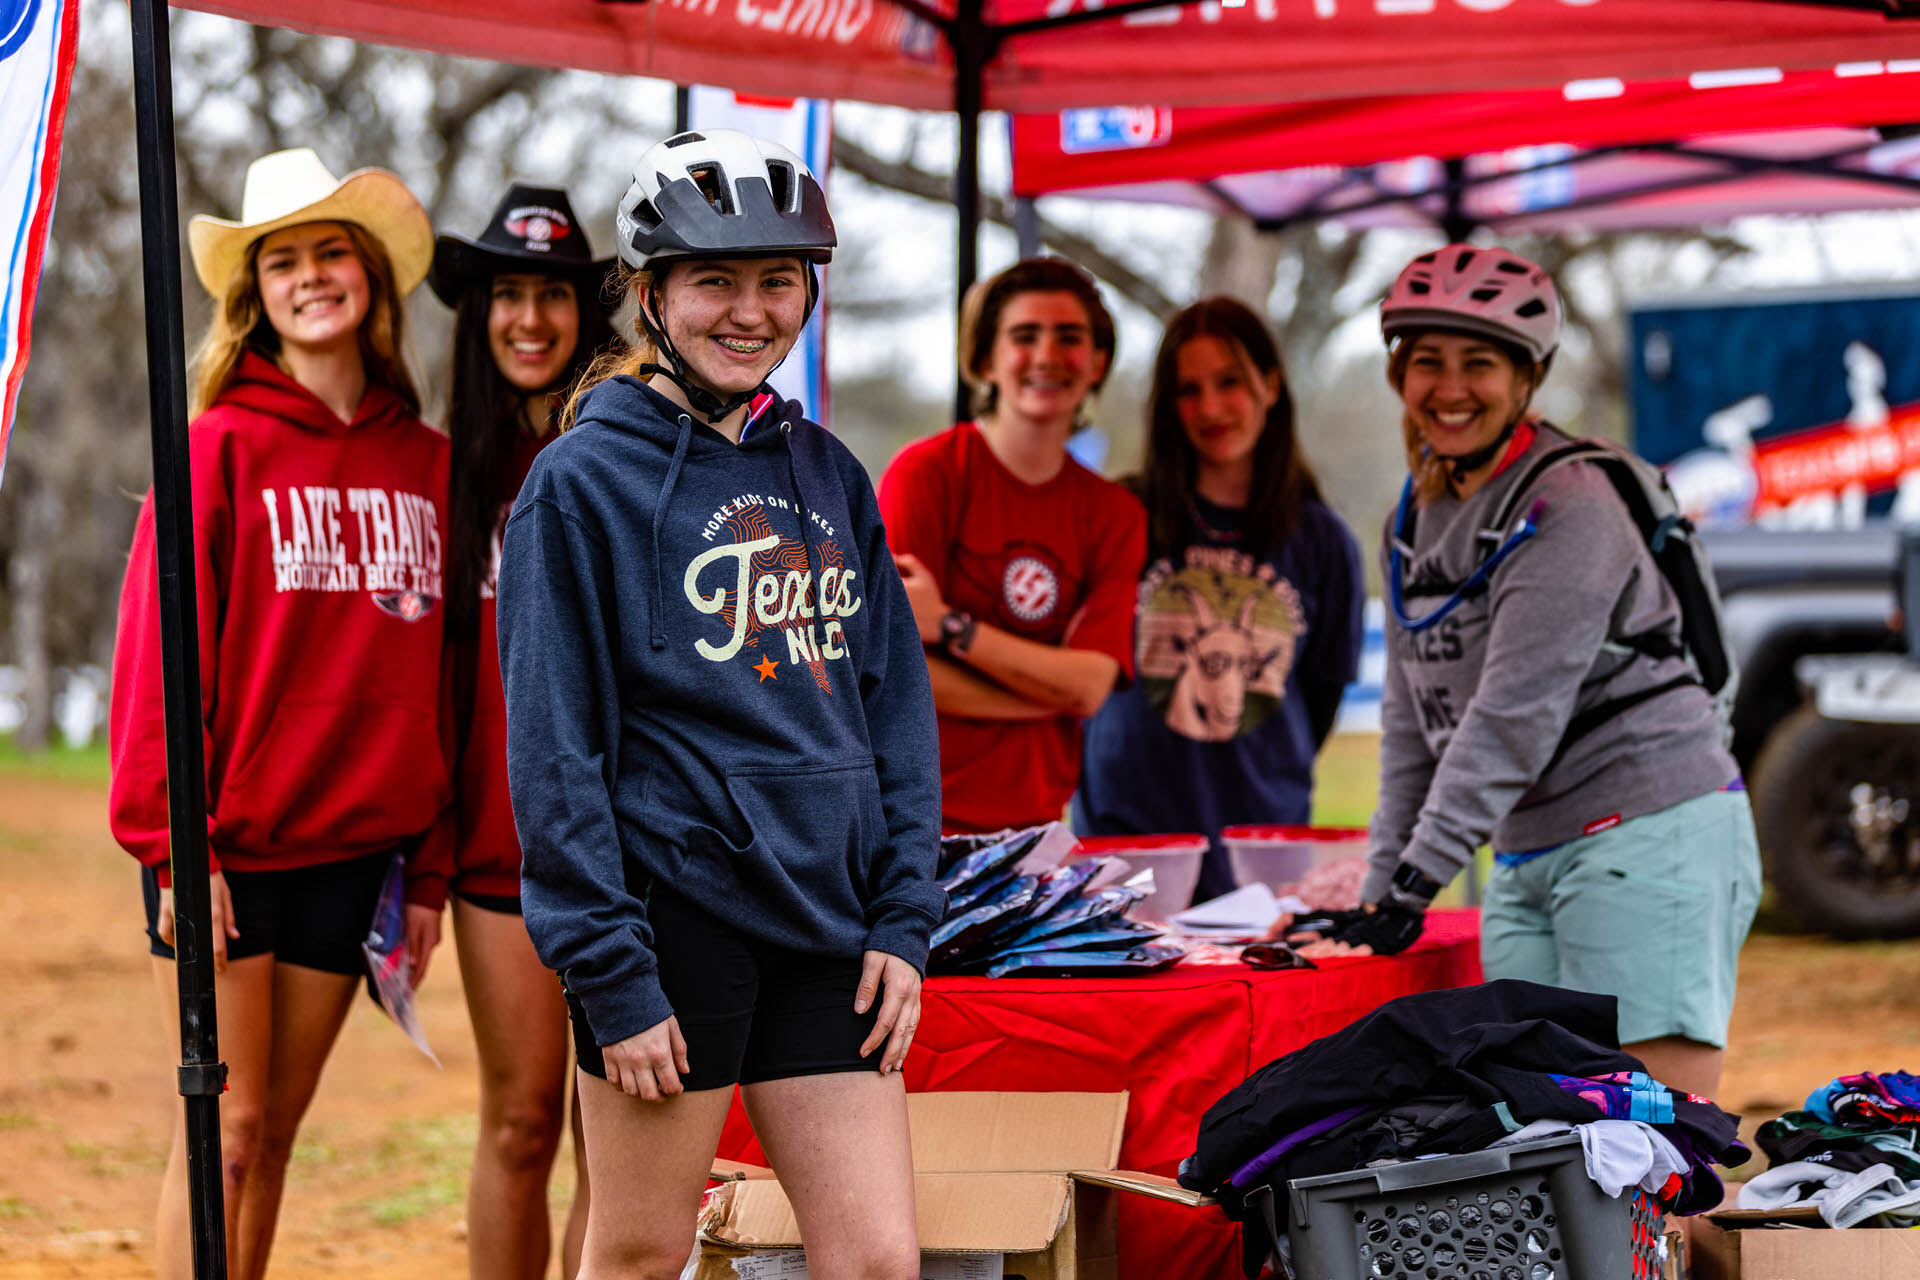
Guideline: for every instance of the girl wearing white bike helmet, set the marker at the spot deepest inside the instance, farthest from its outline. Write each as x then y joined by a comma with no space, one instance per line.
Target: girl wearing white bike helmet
720,741
1538,696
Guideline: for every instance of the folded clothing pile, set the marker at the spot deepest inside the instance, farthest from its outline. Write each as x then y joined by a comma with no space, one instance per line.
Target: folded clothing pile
1447,1072
1019,906
1851,1153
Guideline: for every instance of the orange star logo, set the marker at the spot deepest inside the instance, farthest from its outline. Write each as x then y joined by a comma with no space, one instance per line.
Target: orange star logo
767,668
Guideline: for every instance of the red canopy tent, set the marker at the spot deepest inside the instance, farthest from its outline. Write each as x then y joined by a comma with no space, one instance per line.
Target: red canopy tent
968,55
1606,152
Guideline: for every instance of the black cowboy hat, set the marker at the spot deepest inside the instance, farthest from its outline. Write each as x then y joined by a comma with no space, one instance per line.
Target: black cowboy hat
533,230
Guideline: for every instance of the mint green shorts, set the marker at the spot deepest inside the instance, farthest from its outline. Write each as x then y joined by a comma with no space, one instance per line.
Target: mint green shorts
1651,912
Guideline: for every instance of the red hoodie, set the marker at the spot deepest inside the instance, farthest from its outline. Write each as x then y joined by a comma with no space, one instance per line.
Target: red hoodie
487,852
318,554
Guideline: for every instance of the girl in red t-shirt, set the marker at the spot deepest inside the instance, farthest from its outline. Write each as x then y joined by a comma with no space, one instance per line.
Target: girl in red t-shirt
317,498
1021,564
528,320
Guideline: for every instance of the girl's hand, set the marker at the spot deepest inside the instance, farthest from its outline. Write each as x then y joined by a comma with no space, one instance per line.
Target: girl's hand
220,904
923,593
423,935
899,1008
648,1065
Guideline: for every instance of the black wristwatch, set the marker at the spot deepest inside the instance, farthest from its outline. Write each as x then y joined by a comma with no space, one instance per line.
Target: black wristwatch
956,633
1412,888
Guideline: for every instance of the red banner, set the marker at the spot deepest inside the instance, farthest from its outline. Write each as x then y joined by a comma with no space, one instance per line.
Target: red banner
1186,54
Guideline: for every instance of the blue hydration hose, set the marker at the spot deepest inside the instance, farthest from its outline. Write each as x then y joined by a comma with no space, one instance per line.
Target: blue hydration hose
1396,563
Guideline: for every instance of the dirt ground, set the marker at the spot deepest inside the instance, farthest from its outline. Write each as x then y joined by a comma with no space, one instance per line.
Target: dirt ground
378,1184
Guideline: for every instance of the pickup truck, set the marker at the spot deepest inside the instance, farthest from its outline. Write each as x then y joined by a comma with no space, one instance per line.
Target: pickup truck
1826,721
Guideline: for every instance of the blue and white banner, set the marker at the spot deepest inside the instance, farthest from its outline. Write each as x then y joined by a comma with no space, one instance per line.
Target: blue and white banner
37,41
805,127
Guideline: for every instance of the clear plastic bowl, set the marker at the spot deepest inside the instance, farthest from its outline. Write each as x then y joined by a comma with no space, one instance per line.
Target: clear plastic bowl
1174,859
1280,856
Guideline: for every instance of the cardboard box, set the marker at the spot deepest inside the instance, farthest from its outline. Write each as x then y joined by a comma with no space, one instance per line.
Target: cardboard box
1022,1180
1753,1244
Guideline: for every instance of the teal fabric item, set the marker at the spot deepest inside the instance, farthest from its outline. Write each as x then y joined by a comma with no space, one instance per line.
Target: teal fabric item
1651,912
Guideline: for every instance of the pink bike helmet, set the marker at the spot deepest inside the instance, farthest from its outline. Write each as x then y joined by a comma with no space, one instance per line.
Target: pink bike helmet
1489,292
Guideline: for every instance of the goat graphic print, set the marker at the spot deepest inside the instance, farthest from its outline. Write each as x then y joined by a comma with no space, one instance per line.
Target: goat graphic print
1216,641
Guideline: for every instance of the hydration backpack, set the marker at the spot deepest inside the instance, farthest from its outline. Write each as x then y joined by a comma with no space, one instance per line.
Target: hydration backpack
1677,553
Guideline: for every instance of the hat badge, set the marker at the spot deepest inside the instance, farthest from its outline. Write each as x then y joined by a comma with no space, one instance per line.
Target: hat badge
538,226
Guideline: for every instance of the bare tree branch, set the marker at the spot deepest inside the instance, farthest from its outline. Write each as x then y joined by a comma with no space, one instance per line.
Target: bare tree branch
902,176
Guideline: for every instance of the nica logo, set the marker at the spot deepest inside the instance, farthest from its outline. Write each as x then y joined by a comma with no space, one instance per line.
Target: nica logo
1114,128
16,24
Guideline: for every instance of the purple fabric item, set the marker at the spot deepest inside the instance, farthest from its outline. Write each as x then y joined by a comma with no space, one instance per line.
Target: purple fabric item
1266,1159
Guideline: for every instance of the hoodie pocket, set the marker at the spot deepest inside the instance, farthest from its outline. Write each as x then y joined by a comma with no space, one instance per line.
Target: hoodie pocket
805,839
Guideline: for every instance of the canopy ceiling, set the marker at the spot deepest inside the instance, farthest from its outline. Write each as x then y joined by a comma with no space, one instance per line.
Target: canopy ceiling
1607,153
1193,54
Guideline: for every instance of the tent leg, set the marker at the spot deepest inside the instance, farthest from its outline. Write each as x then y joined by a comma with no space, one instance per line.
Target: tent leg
202,1075
972,45
682,108
1455,224
1026,226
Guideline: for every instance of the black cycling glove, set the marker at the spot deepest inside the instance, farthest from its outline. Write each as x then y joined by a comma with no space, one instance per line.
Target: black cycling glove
1389,928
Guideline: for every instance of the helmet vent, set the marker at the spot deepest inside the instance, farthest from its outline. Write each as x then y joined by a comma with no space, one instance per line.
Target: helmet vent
712,181
1465,257
682,139
1484,295
1530,308
1426,259
645,215
1420,287
781,176
1512,268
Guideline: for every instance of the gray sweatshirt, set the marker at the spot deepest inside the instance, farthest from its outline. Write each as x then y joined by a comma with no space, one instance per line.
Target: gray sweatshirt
1475,707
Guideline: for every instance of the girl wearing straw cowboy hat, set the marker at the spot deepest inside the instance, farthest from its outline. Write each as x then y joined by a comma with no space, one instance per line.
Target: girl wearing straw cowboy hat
529,317
721,741
318,501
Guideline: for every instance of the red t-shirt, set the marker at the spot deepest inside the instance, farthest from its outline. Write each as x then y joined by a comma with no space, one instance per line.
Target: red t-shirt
1058,563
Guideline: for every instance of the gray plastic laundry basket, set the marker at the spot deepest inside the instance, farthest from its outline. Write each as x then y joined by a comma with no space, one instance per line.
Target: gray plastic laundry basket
1523,1212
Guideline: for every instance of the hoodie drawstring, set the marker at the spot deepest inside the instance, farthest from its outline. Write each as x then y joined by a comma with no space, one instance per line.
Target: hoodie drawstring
806,519
659,518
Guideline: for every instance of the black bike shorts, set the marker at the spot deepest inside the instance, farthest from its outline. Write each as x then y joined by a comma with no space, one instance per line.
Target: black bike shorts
750,1011
316,916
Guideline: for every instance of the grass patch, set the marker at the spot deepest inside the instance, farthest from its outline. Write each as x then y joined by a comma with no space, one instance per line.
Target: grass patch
59,762
13,1208
417,1201
14,1121
1346,780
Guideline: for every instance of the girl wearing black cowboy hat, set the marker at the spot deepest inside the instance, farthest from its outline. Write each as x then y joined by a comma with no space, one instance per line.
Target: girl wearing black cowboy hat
526,297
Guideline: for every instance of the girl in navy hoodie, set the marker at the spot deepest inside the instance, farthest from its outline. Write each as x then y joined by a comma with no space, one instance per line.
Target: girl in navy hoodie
528,319
721,743
318,502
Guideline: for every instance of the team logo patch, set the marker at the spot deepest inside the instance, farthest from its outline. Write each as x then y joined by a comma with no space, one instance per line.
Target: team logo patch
1030,588
539,226
408,606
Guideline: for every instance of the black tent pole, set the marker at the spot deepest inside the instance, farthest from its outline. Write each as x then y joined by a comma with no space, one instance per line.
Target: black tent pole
972,46
202,1074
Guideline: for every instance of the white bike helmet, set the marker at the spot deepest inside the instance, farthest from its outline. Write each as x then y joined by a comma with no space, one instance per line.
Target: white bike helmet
1489,292
719,193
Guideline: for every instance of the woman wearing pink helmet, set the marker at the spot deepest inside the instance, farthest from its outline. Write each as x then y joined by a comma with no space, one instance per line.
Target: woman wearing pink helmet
1538,696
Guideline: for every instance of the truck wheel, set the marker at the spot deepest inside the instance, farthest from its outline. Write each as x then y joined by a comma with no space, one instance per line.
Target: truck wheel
1837,804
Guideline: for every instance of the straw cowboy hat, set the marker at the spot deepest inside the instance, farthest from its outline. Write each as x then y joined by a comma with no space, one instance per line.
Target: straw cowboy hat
292,187
533,230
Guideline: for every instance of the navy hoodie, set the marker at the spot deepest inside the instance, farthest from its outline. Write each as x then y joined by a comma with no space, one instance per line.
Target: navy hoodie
713,681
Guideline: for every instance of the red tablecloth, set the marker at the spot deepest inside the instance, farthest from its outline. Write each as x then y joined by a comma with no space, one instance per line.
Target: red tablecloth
1175,1041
